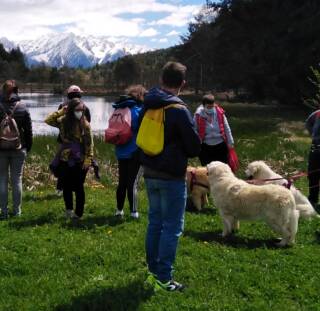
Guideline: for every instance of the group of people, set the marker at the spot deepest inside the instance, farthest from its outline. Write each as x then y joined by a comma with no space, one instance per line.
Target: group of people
207,135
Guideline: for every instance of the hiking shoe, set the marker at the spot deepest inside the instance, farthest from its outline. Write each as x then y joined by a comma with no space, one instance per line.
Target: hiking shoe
59,193
119,213
135,215
170,286
69,213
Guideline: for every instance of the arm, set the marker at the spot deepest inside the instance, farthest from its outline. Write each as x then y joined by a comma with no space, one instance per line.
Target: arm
27,128
88,141
310,121
189,137
52,118
227,131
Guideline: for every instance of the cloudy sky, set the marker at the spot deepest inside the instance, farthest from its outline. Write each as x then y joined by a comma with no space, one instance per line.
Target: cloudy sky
153,23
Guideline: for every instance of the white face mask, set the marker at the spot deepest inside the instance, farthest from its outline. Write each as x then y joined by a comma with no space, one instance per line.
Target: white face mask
78,114
209,110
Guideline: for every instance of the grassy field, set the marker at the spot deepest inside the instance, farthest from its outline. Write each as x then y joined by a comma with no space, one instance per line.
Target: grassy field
48,263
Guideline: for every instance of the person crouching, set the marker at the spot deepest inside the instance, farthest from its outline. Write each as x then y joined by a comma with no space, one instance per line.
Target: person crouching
75,155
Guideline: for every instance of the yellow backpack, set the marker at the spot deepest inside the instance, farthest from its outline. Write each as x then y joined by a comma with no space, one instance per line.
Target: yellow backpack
150,136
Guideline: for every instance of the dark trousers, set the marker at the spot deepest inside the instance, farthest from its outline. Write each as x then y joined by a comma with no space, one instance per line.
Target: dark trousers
210,153
72,180
314,174
127,170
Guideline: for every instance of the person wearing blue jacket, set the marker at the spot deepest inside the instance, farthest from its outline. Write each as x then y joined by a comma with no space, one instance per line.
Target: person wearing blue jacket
128,154
165,177
313,127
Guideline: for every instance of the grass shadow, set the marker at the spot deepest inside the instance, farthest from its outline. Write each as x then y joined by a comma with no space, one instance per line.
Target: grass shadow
317,236
127,298
30,197
20,222
234,241
90,223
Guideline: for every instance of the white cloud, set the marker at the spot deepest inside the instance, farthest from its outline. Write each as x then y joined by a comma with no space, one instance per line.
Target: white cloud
150,32
172,33
163,40
180,17
29,19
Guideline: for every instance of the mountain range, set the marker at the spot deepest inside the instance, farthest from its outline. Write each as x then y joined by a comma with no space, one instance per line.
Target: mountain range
71,50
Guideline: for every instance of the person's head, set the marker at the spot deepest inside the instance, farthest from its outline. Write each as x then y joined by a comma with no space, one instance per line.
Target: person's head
75,109
74,91
73,115
136,91
208,102
8,88
173,75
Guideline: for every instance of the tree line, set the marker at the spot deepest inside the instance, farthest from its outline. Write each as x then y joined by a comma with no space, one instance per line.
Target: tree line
261,49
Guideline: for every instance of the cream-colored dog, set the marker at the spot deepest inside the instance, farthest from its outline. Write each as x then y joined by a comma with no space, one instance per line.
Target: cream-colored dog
198,185
236,200
260,170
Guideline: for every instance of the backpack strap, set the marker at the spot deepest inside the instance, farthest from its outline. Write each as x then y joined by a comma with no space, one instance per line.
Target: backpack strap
179,106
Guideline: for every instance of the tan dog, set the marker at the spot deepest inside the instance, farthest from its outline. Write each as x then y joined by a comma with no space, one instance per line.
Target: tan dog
260,170
236,200
198,185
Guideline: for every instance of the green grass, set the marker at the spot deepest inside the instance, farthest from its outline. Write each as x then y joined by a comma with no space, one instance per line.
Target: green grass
47,263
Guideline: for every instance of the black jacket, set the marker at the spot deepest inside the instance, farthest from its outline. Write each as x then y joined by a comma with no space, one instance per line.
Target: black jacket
181,140
22,118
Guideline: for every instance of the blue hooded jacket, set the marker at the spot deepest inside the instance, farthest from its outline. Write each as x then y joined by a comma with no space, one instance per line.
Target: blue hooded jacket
181,140
127,150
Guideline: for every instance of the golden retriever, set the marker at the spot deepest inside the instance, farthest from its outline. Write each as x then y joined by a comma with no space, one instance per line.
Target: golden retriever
260,170
236,200
198,185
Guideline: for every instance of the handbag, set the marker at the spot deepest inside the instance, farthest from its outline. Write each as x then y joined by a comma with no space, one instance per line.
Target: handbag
233,160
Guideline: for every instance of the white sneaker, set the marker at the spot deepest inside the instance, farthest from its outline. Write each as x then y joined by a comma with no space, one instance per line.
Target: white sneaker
135,215
119,213
70,213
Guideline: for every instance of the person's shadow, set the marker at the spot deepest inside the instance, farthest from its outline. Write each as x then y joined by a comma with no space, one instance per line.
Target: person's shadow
233,240
126,298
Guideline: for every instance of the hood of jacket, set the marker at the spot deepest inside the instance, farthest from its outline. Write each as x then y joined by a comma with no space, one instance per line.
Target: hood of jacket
157,98
126,101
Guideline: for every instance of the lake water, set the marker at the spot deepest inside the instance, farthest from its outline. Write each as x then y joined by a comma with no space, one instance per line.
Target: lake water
40,105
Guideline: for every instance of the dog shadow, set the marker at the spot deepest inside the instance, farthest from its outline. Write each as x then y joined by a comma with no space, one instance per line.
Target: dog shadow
126,298
233,240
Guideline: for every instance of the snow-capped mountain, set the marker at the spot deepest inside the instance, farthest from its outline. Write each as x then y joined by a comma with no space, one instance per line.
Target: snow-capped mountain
71,50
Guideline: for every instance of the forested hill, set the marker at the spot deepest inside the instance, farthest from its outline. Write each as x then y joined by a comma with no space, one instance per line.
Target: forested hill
261,48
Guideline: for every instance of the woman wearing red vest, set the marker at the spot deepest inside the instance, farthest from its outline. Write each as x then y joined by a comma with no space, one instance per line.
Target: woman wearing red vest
214,131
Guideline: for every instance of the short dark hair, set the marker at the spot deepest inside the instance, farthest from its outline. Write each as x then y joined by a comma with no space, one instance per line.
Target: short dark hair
173,74
207,99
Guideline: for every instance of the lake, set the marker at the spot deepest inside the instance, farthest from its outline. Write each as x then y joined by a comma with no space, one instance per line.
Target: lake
40,105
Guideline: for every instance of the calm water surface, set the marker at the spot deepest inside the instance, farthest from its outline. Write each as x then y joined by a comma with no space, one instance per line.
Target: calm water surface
40,105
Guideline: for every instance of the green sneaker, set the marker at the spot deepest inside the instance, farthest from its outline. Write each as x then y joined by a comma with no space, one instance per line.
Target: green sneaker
170,286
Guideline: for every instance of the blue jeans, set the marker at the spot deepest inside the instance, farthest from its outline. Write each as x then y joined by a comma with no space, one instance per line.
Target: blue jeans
167,201
11,160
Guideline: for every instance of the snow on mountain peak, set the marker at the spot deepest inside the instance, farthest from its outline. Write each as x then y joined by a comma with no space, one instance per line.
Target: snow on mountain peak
68,49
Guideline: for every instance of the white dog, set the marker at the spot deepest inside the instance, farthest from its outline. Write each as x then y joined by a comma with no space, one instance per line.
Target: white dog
260,170
236,200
